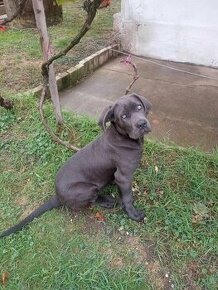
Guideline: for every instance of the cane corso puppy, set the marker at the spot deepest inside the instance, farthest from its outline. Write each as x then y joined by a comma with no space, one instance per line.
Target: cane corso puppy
113,156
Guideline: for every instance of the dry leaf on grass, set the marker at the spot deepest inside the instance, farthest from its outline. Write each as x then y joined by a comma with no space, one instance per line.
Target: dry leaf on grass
105,3
5,276
99,216
135,187
196,218
200,209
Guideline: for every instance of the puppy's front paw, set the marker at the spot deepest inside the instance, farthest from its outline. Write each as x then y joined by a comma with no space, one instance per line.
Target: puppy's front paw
135,214
139,216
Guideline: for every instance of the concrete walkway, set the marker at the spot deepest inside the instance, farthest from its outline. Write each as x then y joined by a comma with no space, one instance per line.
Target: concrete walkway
185,107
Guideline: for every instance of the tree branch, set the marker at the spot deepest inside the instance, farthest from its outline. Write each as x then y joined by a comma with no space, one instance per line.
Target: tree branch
128,60
45,123
90,6
21,6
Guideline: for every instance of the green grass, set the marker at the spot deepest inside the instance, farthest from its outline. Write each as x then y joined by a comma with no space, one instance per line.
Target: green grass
177,188
20,53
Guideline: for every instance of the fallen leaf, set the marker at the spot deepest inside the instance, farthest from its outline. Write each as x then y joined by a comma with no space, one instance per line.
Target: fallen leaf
145,192
105,3
200,209
160,193
5,276
196,218
99,216
3,28
135,187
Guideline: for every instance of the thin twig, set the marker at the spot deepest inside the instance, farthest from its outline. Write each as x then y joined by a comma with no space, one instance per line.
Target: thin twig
45,123
21,6
164,65
128,60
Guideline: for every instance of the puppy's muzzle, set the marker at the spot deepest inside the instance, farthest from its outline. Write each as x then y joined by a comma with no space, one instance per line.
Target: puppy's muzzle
144,125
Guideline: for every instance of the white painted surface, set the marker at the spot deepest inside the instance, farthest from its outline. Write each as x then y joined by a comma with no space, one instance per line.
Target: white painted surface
185,31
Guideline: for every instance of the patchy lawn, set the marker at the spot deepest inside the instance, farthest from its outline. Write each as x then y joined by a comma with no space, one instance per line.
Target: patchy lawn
177,188
177,245
20,54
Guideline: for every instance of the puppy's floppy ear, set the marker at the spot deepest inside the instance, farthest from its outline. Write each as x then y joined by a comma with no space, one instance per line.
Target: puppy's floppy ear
106,116
146,104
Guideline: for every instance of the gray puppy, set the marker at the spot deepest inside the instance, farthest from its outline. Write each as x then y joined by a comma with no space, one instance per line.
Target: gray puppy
113,156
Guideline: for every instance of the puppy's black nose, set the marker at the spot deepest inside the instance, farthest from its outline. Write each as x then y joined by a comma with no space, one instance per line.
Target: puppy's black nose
142,124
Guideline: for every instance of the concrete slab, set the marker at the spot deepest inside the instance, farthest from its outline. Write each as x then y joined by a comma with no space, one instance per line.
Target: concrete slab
185,107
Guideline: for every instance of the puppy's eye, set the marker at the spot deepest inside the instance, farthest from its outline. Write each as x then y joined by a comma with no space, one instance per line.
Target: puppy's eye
139,107
124,116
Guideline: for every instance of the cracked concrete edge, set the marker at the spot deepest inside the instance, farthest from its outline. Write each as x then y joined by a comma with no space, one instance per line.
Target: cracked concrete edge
86,66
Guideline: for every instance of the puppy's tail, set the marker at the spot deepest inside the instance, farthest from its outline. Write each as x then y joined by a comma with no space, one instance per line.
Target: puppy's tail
50,204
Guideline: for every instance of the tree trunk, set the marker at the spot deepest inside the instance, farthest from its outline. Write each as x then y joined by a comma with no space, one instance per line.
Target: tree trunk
47,53
26,18
2,7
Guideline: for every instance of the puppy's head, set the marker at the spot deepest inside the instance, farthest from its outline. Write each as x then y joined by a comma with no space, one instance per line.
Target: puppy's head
129,115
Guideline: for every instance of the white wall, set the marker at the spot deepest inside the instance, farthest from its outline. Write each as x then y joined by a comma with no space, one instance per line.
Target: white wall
185,31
